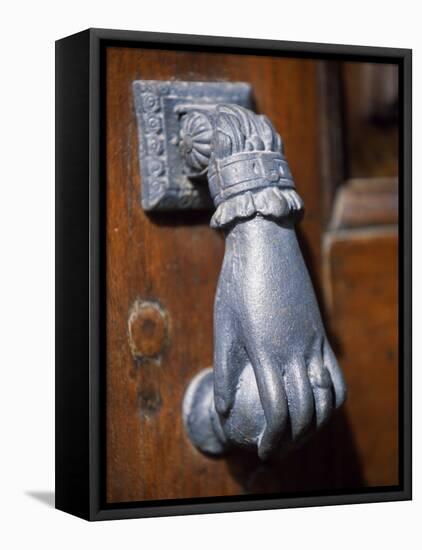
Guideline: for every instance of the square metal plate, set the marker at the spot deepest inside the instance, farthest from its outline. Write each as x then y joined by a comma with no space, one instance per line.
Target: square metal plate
164,184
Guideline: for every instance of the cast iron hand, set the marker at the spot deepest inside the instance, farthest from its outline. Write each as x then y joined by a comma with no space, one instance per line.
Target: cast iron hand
275,375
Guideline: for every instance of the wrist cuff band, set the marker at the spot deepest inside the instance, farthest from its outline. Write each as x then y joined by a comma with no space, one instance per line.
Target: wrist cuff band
247,172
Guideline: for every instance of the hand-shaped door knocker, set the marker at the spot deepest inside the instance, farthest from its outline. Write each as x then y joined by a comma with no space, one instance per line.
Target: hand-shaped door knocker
274,375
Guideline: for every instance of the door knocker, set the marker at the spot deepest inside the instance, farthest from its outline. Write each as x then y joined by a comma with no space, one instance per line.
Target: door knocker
274,376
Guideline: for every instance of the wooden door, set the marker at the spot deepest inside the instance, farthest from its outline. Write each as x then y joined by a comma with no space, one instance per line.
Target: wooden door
162,271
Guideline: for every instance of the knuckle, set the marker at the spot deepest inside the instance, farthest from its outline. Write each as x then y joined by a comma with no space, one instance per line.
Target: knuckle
319,377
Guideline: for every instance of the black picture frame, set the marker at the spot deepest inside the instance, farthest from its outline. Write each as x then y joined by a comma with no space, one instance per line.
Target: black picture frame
80,268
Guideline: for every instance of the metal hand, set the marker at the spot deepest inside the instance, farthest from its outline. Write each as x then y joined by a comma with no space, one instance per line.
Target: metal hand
275,375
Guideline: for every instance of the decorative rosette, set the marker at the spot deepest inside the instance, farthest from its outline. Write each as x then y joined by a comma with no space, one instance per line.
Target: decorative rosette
195,143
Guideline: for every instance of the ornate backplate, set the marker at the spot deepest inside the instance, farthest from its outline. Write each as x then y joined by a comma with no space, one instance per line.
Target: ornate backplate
160,106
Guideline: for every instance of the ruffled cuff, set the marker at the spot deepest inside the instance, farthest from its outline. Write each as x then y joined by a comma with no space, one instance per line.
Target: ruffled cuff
272,202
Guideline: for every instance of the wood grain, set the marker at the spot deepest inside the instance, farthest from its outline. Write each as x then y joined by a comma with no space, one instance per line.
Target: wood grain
171,261
371,95
174,259
362,283
365,202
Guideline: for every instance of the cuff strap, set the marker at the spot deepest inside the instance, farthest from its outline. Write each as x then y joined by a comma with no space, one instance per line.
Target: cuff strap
248,172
